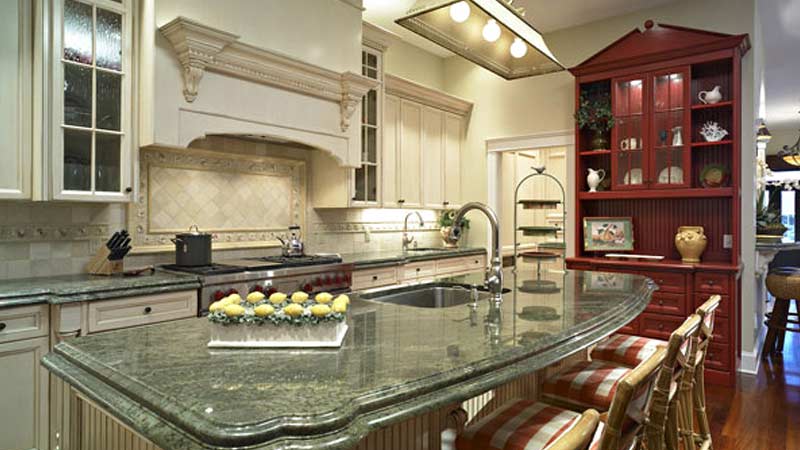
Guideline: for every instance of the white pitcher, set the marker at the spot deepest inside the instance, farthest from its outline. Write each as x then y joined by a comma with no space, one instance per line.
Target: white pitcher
710,97
594,178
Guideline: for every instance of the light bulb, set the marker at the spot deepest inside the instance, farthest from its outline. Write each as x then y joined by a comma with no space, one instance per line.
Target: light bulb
459,12
519,48
491,31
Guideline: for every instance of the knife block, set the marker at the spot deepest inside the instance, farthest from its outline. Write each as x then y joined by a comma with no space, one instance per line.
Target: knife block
100,264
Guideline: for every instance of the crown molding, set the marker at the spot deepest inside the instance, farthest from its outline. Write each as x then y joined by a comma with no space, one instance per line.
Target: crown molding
376,37
435,98
200,48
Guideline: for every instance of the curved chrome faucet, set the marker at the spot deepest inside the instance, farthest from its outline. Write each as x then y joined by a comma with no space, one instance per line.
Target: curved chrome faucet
494,275
406,238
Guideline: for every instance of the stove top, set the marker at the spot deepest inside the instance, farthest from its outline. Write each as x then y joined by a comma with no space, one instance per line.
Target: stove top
213,269
297,261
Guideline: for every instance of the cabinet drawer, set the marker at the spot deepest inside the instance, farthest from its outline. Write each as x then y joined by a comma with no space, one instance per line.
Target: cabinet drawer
415,271
372,278
658,326
712,283
718,357
664,302
460,265
128,312
722,309
668,281
23,322
722,331
631,328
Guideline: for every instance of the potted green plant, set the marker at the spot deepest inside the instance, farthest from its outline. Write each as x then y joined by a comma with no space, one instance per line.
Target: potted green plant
768,220
594,113
445,223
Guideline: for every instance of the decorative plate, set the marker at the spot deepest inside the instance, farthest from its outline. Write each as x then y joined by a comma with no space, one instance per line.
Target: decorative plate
714,176
671,175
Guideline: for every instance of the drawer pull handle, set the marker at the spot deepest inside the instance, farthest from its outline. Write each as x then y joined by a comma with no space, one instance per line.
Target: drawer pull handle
374,278
148,310
2,326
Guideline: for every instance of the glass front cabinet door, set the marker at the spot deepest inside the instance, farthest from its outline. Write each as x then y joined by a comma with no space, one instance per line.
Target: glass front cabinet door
671,157
92,100
628,156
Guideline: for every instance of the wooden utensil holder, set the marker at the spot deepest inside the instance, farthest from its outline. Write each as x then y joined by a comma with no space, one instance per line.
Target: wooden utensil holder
101,265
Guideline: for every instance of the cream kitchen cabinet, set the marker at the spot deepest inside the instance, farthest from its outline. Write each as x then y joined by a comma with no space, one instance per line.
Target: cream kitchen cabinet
24,397
422,143
16,104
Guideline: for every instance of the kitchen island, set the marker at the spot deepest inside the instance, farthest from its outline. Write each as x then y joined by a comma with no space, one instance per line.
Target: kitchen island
397,363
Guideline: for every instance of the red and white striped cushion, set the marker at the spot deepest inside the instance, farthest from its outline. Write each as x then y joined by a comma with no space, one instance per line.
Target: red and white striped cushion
587,384
518,425
626,350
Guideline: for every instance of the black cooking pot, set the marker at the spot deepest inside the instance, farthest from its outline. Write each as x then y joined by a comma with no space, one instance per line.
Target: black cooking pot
193,248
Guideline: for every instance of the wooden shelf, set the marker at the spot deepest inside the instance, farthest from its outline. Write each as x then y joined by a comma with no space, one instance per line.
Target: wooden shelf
658,193
594,152
669,264
711,144
701,106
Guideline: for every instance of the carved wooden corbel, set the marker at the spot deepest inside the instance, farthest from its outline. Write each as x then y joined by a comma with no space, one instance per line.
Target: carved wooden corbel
196,47
354,88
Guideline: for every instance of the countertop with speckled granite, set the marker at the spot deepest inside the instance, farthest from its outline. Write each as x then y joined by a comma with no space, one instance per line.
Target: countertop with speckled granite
396,362
79,288
363,260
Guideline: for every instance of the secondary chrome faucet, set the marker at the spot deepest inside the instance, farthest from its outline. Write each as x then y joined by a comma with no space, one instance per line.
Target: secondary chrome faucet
494,275
407,239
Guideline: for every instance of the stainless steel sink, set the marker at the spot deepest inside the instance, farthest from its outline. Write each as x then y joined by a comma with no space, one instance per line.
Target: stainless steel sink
431,295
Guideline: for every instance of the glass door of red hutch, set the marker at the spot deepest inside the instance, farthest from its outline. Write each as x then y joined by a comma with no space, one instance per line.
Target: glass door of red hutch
671,158
628,159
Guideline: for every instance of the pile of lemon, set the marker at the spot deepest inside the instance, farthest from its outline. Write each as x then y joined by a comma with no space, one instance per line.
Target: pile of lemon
256,307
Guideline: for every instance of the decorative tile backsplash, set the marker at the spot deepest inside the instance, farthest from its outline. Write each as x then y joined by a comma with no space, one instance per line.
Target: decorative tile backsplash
242,199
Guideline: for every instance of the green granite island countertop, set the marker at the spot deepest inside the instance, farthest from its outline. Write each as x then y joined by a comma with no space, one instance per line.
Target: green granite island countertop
396,362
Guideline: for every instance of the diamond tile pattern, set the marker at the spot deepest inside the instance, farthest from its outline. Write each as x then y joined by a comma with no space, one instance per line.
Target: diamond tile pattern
218,200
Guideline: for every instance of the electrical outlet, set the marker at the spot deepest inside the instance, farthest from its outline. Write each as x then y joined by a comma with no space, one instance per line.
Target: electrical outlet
727,241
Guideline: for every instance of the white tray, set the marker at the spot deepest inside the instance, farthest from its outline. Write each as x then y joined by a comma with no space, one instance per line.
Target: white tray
325,334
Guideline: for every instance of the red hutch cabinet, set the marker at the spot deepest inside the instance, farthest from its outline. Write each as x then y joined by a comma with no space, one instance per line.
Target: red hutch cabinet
663,174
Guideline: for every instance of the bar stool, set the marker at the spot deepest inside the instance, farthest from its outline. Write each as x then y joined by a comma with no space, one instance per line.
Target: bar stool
784,284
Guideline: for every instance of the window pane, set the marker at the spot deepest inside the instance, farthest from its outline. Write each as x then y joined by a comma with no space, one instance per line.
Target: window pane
77,95
371,144
107,163
372,178
372,107
109,39
77,160
360,194
77,32
109,91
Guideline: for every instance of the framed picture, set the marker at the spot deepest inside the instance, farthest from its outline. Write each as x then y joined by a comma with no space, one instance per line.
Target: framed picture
607,233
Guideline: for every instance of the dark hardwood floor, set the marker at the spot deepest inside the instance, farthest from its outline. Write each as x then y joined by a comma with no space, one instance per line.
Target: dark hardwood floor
762,412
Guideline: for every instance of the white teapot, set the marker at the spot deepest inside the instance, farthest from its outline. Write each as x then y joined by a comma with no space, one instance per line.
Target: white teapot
710,97
594,178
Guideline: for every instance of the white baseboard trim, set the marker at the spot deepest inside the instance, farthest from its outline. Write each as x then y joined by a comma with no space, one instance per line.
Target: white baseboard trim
752,360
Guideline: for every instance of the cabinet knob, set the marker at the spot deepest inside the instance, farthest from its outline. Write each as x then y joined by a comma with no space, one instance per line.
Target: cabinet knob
128,190
445,203
401,201
2,326
374,278
661,303
661,326
710,282
148,310
418,269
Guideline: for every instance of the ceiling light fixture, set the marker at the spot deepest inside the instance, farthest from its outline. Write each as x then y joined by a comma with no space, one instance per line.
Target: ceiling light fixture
459,12
491,31
519,48
493,35
791,155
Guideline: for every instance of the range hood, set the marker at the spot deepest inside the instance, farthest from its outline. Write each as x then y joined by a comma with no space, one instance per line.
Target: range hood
491,33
